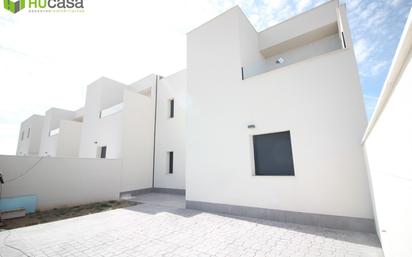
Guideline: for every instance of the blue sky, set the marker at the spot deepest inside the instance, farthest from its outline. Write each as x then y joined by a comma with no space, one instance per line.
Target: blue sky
47,60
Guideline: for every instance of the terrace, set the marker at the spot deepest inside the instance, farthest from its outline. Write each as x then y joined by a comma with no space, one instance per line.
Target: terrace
161,226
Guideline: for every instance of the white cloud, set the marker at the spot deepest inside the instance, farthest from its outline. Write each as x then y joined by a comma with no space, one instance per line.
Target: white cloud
275,4
378,67
394,3
353,4
303,4
363,49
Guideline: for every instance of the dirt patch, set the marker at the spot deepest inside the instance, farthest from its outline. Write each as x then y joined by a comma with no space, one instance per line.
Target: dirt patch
64,213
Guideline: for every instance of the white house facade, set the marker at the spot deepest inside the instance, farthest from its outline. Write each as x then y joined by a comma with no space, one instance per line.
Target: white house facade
275,120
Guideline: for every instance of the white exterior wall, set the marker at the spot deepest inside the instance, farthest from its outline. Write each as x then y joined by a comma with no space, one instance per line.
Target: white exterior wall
137,142
319,100
69,139
170,132
388,149
107,131
29,145
61,182
49,144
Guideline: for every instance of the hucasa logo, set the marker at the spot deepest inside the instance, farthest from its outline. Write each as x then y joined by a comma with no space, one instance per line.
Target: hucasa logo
14,6
52,4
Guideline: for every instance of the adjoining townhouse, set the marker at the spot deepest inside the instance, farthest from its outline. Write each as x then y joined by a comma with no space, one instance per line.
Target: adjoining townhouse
61,133
30,136
102,123
272,121
118,121
276,119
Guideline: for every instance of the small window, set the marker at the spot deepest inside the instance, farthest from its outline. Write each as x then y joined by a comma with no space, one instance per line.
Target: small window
28,133
172,108
22,136
273,154
170,162
102,152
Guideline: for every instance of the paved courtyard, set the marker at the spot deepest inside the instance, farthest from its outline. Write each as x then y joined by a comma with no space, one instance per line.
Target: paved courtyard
161,227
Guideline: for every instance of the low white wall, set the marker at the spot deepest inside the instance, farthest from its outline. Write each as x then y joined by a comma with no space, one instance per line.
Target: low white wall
61,181
389,151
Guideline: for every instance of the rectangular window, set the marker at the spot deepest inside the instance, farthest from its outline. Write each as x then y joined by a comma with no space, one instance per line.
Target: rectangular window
22,136
172,108
273,154
103,152
28,133
54,132
111,110
170,162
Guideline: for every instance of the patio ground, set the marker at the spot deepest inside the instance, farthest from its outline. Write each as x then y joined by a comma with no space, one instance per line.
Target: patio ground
162,227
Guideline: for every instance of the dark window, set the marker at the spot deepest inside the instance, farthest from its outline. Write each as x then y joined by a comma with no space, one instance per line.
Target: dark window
103,152
28,133
172,108
273,154
170,162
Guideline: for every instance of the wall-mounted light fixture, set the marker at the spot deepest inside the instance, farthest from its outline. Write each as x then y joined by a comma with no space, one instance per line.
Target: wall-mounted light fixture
280,60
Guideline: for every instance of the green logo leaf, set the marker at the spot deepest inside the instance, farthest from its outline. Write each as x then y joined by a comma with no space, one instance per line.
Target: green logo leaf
14,6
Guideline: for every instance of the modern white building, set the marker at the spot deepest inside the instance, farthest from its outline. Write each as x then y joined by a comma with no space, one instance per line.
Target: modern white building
276,119
265,124
30,136
142,123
